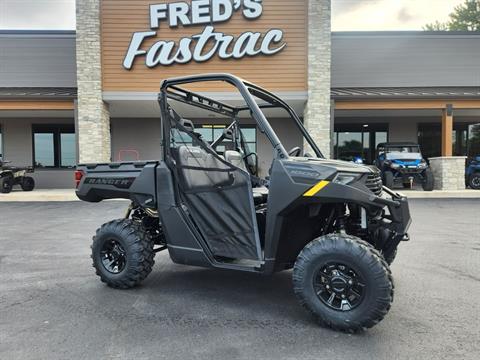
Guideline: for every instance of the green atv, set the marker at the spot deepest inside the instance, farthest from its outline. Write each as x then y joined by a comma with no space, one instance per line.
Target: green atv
12,175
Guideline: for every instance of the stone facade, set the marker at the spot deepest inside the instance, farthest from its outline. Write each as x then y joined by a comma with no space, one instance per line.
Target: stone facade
317,111
448,172
93,117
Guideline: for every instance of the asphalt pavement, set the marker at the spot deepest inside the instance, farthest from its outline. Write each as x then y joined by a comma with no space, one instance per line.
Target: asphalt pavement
52,306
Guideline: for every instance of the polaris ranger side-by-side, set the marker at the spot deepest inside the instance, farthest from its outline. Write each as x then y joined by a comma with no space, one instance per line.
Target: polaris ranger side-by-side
209,205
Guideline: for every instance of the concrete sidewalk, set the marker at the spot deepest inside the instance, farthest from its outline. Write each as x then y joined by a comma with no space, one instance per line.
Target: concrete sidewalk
69,195
40,195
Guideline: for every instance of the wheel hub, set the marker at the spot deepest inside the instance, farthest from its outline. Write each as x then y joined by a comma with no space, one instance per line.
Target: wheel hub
338,284
339,287
113,256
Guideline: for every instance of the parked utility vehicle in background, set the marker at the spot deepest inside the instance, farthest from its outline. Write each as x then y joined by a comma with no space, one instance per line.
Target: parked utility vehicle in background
330,221
12,175
472,173
403,163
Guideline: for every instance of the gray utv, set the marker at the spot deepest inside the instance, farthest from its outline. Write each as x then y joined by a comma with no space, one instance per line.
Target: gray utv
207,203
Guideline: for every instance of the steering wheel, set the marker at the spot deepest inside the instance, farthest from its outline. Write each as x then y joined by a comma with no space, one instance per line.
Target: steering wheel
295,152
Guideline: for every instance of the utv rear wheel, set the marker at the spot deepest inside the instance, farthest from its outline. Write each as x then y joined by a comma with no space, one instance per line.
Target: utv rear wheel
122,253
428,181
474,181
388,179
6,184
345,283
27,184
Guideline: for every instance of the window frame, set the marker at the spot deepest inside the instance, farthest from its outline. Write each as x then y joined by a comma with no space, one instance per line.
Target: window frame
56,130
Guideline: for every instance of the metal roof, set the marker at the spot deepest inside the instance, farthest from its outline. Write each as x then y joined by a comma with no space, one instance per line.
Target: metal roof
351,93
357,93
45,93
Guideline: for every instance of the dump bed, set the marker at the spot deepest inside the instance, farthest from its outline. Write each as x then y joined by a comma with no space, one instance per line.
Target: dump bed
135,181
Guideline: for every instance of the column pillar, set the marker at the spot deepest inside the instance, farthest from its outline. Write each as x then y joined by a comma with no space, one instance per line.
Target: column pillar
317,110
447,130
93,127
448,171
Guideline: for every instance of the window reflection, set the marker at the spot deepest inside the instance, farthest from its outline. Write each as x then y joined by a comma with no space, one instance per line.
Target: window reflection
44,150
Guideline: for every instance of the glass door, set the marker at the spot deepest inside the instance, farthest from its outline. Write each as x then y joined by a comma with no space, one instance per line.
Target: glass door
353,141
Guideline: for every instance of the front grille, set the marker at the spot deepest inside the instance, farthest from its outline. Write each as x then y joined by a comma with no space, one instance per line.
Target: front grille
374,183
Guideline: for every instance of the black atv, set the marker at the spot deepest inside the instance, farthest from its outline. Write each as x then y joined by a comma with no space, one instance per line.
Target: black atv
207,205
402,162
12,175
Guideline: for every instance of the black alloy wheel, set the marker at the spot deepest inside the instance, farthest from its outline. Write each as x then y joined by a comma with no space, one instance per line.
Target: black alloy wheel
113,256
339,287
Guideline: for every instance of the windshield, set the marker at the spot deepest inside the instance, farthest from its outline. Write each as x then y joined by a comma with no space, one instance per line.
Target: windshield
403,149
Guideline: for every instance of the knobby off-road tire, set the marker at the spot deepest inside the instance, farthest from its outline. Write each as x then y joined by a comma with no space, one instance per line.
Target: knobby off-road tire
428,182
27,184
6,184
369,268
388,179
134,246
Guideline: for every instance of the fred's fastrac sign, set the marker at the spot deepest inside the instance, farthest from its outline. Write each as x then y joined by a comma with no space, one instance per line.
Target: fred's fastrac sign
201,46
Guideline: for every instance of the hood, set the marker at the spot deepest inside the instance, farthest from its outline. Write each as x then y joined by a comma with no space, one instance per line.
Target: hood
403,156
338,165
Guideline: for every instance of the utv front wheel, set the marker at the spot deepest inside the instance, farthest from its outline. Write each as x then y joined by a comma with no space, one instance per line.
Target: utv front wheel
428,182
343,282
474,181
388,179
122,253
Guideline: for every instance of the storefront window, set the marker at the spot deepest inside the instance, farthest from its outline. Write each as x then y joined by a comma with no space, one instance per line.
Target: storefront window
474,140
67,150
430,139
44,150
54,146
358,140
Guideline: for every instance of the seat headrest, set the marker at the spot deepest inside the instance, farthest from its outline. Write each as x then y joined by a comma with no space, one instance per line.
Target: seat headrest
188,124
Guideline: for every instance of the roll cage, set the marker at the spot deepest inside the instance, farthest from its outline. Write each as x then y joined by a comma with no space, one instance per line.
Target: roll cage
171,89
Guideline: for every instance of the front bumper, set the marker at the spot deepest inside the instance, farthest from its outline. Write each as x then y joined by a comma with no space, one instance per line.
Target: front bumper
391,227
405,171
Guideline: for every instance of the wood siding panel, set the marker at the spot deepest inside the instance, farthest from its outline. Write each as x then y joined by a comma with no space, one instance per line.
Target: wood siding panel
284,71
36,105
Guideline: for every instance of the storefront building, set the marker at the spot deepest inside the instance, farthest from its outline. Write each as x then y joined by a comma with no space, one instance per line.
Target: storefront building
90,95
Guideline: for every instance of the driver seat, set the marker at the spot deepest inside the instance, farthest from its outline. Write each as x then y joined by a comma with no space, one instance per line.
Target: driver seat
260,194
236,159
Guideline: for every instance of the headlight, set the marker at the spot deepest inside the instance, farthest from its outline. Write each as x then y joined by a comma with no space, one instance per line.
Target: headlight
423,164
345,178
395,166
